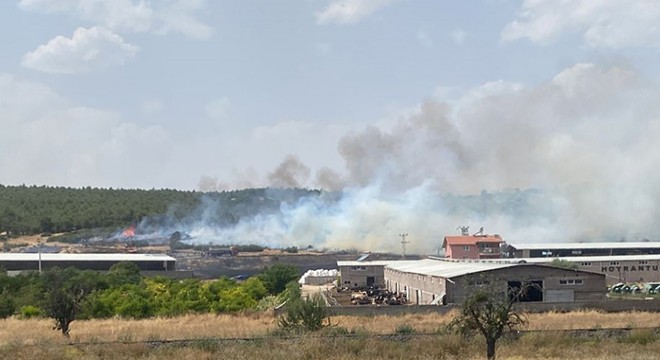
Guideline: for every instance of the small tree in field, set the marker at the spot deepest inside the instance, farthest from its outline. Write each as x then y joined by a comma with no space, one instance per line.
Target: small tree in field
490,313
65,291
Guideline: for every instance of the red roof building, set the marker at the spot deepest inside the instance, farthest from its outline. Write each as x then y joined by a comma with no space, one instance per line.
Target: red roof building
472,246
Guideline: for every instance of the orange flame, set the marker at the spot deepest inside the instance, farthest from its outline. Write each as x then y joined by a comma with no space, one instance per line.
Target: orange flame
130,232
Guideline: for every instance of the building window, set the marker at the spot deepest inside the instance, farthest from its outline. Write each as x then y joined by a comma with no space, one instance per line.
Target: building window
585,264
614,263
358,268
570,282
576,252
643,262
466,247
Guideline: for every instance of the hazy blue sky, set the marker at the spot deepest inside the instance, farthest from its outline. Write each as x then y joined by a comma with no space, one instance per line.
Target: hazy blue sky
196,94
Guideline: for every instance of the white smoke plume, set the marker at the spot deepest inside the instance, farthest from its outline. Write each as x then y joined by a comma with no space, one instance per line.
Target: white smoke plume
586,139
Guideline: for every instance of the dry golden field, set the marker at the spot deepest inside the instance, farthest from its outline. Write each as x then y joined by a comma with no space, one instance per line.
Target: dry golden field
120,339
34,331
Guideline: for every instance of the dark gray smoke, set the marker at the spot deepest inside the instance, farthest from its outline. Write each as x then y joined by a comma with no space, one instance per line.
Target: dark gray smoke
291,173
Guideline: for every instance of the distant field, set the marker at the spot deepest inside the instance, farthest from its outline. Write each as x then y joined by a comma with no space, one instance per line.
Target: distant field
120,339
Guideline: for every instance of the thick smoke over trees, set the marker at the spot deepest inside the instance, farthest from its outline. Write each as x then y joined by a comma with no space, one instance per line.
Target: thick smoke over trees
586,140
291,173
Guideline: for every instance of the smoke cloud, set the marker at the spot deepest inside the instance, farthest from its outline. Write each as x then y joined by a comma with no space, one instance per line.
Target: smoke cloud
291,173
581,147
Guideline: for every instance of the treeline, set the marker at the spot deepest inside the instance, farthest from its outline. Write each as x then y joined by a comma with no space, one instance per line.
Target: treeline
26,210
69,294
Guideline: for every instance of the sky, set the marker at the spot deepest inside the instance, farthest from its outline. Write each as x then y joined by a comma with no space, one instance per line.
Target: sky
447,96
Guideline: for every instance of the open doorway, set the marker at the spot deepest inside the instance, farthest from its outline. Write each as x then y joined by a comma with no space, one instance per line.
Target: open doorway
532,292
371,280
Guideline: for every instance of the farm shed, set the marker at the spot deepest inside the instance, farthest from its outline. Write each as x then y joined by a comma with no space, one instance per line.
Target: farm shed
100,262
356,274
443,281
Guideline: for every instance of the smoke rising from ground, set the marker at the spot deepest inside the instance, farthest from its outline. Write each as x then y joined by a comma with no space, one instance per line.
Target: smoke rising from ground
587,138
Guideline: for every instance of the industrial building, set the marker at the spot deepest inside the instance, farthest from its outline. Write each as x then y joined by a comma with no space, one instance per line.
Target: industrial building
617,269
362,273
582,249
101,262
441,281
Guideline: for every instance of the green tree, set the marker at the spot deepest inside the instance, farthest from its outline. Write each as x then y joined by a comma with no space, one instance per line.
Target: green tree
133,302
491,314
124,273
66,289
235,299
561,263
278,276
255,288
128,301
7,306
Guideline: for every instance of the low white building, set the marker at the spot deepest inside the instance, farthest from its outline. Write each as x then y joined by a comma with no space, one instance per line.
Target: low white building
101,262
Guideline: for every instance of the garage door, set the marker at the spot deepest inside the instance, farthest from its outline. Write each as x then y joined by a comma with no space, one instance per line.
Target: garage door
559,296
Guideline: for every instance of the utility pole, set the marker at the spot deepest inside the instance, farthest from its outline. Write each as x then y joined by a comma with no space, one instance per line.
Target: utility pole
39,256
403,244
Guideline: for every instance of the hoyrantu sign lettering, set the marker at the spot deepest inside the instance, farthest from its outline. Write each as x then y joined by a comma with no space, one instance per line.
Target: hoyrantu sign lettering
620,268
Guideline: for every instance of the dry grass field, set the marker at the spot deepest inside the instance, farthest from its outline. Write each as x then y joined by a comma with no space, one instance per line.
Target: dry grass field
33,331
121,339
529,346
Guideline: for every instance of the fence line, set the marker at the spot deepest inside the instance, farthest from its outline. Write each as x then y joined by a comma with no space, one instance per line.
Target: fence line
586,333
532,307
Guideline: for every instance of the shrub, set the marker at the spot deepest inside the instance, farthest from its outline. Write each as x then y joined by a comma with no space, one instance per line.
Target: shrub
564,264
235,299
641,337
333,331
306,314
249,248
29,311
7,306
268,303
404,329
292,250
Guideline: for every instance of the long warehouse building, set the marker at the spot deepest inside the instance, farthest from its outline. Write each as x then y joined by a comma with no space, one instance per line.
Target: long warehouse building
99,262
441,281
537,250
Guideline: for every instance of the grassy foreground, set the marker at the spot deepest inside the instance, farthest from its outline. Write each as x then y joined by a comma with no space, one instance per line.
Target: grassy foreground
120,339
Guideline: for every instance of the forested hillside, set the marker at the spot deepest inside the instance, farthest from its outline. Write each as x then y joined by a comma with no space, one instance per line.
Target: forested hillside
44,209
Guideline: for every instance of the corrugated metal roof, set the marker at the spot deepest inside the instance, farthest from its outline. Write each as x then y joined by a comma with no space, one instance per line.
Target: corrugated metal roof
84,257
596,245
446,269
